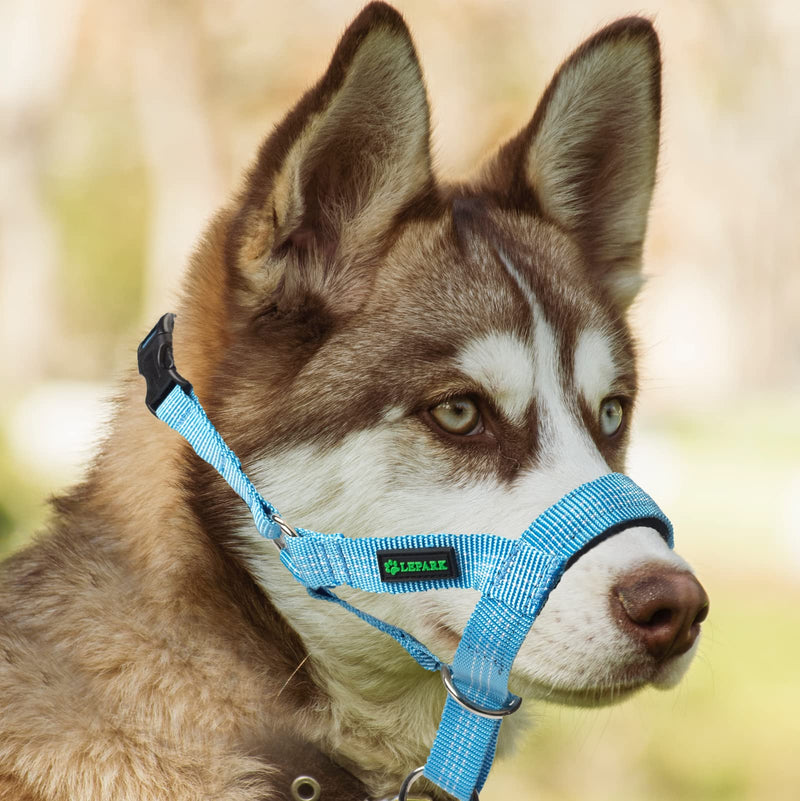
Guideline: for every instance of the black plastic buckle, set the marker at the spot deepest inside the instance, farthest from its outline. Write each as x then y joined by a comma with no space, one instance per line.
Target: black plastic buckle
157,364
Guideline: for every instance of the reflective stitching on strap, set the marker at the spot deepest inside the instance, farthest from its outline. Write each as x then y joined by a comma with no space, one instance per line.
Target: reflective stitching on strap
184,413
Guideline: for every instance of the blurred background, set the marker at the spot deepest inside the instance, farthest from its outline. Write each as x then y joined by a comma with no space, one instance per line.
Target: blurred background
124,125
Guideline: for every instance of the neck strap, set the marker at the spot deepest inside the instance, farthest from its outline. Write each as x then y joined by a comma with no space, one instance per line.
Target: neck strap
514,576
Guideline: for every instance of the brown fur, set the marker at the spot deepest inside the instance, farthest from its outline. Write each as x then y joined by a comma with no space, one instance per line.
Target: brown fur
139,658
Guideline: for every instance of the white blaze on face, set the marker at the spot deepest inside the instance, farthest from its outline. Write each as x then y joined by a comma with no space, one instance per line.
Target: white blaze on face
594,368
565,446
502,364
576,652
566,449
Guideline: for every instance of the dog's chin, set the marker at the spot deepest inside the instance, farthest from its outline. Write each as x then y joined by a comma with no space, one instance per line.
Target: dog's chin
612,689
605,695
669,674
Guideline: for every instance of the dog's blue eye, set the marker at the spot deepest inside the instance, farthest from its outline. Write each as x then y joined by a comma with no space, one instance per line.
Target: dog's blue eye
460,416
611,415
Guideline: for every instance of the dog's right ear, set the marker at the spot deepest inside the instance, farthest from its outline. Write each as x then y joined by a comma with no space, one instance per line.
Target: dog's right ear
331,179
587,160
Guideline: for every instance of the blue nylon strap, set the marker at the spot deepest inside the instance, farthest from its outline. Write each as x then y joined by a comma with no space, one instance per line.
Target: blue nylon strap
321,561
593,509
421,653
183,412
491,640
331,560
503,617
514,577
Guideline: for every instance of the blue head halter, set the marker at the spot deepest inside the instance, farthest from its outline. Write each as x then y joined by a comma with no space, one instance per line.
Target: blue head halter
514,576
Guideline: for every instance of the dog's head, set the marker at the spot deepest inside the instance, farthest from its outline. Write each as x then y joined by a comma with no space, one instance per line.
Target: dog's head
390,355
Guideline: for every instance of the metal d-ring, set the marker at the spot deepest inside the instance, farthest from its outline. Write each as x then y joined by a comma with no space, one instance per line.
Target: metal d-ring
484,711
411,778
286,531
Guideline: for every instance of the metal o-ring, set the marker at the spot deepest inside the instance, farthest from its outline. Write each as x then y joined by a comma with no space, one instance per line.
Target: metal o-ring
484,711
412,777
286,531
306,788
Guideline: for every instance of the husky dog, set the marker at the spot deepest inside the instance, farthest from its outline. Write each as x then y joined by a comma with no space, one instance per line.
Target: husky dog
387,355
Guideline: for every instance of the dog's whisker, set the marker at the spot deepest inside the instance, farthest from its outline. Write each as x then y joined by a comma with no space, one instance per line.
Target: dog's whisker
292,675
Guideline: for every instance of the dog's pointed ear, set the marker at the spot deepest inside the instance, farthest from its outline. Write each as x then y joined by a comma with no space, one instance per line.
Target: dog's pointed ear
332,178
587,159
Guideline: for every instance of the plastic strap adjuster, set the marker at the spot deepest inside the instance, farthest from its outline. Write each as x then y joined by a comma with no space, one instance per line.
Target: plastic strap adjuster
157,364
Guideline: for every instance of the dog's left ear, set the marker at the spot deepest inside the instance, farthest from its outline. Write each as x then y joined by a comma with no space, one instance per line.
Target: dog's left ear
587,159
332,178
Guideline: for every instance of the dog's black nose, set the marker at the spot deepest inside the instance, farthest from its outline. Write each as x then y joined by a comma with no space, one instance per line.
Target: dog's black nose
662,608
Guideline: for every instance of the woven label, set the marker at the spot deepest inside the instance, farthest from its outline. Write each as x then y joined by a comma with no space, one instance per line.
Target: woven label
418,564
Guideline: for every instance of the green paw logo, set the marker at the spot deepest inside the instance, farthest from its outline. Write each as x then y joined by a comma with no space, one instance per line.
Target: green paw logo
417,564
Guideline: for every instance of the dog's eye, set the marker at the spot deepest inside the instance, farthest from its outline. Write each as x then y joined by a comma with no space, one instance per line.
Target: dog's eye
611,416
460,416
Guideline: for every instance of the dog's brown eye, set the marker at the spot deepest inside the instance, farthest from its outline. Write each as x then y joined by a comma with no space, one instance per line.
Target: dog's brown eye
460,416
611,416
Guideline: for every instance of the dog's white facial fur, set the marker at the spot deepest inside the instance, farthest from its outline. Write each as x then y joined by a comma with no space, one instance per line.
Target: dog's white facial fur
502,366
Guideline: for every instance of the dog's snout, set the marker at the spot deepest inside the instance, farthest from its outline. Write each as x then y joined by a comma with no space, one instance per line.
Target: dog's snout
663,609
